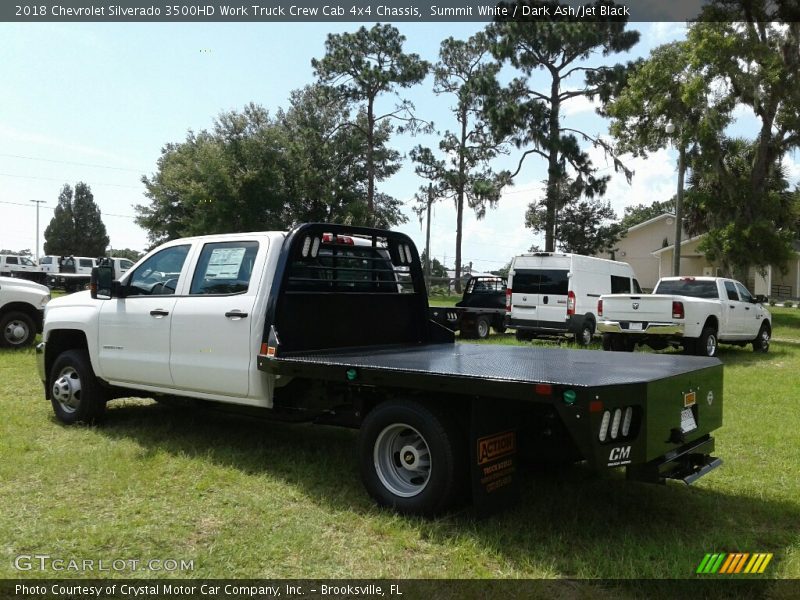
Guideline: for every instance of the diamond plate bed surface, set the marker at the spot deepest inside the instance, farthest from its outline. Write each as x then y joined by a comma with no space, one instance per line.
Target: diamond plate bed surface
511,363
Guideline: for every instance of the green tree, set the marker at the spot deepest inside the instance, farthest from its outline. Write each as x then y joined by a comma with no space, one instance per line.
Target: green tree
583,225
558,47
325,160
464,175
230,179
663,102
639,213
133,255
362,66
749,53
738,237
77,226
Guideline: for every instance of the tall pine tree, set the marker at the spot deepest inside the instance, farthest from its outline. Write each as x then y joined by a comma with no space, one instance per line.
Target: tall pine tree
77,226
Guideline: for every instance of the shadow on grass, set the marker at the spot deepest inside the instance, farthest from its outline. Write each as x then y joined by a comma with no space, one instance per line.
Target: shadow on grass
569,521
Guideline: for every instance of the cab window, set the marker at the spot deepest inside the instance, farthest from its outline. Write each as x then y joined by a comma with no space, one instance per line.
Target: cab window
224,268
158,275
743,293
730,290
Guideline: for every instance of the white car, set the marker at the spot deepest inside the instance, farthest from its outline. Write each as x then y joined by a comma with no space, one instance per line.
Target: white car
22,305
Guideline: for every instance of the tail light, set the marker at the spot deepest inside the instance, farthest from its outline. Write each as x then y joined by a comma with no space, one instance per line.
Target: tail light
571,303
600,308
508,299
677,310
329,238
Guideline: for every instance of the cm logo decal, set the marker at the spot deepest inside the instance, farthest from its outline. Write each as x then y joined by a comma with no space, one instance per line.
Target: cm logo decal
496,446
619,456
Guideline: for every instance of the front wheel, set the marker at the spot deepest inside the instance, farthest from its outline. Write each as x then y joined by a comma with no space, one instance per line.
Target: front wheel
17,330
761,343
412,458
75,392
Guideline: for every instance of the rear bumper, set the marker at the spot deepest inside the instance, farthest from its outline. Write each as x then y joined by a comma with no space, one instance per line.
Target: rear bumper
572,324
687,463
675,329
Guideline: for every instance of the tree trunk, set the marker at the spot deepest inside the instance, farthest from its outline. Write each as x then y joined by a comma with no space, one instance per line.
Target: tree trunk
676,254
553,172
371,161
463,116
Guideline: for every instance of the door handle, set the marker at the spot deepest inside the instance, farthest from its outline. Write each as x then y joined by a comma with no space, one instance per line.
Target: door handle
732,306
236,314
747,308
158,313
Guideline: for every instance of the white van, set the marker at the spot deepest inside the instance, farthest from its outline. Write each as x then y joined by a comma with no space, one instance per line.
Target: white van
555,294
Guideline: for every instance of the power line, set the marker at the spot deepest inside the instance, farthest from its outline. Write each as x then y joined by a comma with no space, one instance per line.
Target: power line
133,187
69,162
105,214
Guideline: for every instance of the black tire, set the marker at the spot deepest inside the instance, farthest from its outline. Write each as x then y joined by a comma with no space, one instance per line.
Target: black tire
499,327
482,325
75,393
584,336
17,330
408,427
706,344
689,346
761,343
523,336
620,343
607,339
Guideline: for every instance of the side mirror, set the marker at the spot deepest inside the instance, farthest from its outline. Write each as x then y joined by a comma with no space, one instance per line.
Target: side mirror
761,299
101,284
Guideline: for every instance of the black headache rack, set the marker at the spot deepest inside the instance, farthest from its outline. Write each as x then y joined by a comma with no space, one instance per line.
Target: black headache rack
338,286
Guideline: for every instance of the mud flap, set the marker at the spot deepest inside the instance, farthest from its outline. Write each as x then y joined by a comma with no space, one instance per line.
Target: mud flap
493,458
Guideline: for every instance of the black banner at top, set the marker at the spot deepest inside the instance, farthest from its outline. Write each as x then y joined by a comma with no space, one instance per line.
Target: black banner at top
342,10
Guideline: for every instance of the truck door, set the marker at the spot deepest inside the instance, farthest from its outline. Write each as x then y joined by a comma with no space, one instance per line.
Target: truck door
134,336
211,325
751,315
553,297
525,296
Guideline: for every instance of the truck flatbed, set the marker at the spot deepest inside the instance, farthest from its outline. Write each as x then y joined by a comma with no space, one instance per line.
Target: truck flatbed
479,368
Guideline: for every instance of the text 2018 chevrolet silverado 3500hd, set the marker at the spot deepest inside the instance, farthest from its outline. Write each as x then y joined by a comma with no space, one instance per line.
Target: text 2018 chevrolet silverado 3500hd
693,312
330,324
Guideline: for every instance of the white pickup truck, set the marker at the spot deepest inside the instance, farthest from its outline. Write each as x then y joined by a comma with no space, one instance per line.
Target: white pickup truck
22,305
329,324
692,312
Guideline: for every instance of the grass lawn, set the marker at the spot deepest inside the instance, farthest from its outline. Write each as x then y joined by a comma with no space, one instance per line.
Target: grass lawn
244,498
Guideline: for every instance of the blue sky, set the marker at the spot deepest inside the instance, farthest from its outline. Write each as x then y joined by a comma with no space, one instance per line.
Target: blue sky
97,102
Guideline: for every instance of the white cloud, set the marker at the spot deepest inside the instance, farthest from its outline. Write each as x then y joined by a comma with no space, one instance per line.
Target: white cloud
666,31
579,105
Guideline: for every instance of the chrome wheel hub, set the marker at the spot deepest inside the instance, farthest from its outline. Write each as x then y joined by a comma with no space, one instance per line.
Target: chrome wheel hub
16,332
67,389
402,460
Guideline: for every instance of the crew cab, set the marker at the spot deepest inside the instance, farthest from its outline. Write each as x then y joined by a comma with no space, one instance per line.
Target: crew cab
329,324
695,313
483,306
22,305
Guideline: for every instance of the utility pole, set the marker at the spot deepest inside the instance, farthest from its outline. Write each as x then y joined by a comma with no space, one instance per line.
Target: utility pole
37,202
428,238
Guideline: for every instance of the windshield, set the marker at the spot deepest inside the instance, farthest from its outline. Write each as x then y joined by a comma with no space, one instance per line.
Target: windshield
688,287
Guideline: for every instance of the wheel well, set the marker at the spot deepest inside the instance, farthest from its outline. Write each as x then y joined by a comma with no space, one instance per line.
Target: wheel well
711,322
23,307
59,341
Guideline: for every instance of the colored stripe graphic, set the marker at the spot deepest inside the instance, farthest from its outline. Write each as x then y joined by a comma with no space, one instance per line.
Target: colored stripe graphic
734,563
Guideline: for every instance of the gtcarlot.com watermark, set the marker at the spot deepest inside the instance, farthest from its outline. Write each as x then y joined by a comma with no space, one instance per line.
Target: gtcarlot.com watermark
46,562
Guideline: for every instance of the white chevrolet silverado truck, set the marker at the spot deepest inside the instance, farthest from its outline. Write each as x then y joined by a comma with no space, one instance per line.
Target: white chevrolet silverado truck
695,313
22,305
329,324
